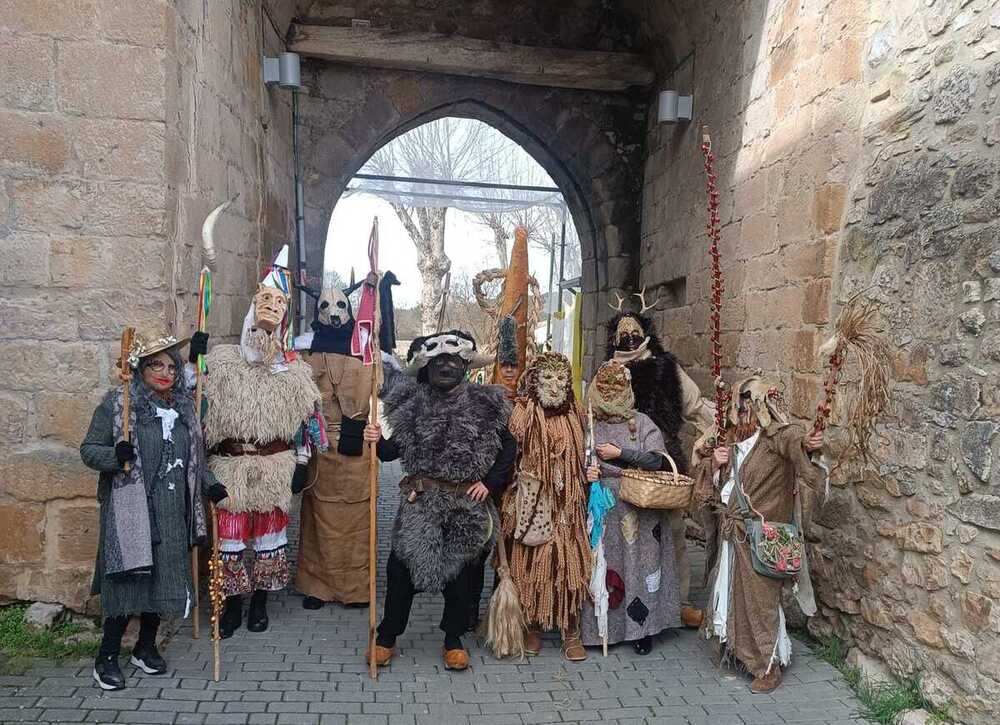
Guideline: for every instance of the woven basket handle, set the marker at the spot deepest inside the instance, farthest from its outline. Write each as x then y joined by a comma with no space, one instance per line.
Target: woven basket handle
673,467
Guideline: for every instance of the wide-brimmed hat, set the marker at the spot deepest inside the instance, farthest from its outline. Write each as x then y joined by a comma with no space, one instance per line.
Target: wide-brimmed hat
150,342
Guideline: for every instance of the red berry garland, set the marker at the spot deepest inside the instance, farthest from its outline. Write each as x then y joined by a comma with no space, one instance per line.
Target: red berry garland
715,235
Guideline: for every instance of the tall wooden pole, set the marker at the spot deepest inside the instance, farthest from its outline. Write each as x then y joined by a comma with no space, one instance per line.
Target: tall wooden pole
373,464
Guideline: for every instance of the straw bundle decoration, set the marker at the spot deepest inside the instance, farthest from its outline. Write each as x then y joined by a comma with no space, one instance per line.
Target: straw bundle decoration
856,336
505,625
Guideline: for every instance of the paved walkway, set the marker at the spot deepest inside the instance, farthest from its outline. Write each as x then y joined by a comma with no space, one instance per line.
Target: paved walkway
309,669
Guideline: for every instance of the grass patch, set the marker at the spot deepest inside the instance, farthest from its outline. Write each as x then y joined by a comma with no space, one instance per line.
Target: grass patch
20,645
881,702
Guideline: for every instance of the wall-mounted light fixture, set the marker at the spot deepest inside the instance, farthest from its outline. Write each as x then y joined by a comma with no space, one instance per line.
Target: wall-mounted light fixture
674,108
283,70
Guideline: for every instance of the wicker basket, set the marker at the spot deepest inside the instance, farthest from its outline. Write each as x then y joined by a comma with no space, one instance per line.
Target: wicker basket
657,489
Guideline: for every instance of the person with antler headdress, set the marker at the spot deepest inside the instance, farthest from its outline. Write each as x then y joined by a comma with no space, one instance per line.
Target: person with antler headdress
665,393
261,427
749,483
146,442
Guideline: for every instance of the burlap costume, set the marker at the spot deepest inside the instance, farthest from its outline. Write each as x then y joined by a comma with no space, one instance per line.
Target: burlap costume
333,539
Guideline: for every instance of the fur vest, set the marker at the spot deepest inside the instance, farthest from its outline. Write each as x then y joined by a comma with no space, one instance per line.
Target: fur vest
658,394
452,436
250,403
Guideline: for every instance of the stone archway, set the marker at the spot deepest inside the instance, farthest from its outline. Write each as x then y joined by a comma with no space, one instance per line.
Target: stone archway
590,144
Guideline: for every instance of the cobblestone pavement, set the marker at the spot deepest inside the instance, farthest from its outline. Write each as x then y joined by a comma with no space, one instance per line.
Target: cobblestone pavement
308,668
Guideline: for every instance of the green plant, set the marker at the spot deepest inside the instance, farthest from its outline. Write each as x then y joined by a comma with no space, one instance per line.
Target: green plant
19,644
881,702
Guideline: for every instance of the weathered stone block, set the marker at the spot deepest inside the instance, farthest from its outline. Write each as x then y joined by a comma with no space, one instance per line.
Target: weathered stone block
956,394
35,142
111,81
976,439
25,73
920,536
875,613
113,149
955,94
74,528
976,611
961,643
21,532
908,188
137,22
972,291
925,629
26,256
979,509
60,367
44,474
816,302
58,18
973,321
42,615
13,418
63,417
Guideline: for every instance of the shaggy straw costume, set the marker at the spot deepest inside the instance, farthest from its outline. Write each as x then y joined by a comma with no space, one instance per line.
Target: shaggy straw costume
553,576
260,405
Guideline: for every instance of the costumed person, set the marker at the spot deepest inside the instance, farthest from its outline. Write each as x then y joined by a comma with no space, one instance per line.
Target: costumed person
638,543
453,441
334,517
754,479
668,396
545,514
262,424
151,514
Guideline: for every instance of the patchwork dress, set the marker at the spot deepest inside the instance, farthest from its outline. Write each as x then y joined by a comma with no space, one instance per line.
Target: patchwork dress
638,547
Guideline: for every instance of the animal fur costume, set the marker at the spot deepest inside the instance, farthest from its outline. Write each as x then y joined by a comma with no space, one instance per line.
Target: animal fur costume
545,514
447,441
334,518
667,395
259,403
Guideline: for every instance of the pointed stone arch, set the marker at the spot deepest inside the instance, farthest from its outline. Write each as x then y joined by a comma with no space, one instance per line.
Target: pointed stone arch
577,137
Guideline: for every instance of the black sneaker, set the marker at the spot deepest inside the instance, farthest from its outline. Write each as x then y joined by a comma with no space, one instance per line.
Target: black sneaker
147,659
312,603
108,675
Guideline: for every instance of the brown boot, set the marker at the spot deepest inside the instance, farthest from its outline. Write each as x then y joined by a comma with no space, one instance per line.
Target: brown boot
767,683
572,647
382,655
691,617
532,642
455,659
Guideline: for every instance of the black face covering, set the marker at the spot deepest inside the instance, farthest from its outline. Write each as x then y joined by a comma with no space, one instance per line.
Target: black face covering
444,372
628,343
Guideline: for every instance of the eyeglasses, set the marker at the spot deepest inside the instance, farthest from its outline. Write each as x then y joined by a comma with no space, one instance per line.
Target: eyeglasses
158,366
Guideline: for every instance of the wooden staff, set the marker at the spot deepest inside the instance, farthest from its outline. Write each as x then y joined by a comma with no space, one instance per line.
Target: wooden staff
373,465
125,373
204,301
215,591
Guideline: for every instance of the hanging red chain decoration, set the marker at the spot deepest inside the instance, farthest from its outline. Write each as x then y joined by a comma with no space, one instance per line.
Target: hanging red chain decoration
715,235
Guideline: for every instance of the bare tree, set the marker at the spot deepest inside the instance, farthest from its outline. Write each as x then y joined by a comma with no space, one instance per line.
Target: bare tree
450,149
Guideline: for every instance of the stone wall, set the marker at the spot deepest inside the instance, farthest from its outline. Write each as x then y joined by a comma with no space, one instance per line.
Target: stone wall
122,123
857,149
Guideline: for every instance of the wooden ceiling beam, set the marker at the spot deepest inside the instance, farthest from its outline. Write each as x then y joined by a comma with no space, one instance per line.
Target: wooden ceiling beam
456,55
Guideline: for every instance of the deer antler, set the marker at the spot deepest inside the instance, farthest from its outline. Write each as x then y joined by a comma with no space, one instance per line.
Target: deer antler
621,303
642,300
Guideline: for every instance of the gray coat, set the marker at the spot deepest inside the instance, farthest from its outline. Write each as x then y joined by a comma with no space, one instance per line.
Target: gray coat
166,590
